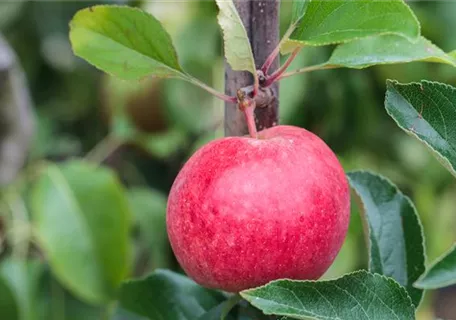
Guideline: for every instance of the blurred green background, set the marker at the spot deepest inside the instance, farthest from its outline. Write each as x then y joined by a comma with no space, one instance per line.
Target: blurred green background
164,122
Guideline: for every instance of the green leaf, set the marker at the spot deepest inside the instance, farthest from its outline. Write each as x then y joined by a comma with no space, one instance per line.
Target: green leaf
222,311
328,22
149,208
119,94
55,302
396,241
427,111
21,278
82,220
9,308
168,295
441,274
359,295
9,12
126,42
298,9
237,46
386,49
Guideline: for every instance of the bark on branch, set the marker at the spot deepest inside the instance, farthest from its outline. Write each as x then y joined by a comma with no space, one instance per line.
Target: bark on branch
261,20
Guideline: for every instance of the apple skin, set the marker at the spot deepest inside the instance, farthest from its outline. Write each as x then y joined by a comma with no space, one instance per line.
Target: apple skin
245,211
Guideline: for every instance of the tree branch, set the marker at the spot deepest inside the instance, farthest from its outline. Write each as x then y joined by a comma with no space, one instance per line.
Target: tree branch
261,20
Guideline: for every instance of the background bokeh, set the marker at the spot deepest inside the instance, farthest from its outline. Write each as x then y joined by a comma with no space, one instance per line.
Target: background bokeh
165,121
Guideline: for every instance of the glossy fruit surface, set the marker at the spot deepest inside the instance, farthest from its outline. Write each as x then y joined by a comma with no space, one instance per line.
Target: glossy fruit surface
245,211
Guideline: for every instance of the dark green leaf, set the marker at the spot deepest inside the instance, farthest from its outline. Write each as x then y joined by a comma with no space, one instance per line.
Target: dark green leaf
222,311
237,45
9,308
125,42
9,12
149,208
441,274
21,278
386,49
168,295
55,302
427,111
82,220
396,242
327,22
359,295
119,95
122,314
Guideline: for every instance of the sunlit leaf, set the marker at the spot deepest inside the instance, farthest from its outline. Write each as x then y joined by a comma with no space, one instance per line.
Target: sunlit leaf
298,9
328,22
237,46
82,223
387,49
126,42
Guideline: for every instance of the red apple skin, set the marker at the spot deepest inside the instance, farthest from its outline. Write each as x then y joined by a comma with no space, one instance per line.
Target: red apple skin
245,211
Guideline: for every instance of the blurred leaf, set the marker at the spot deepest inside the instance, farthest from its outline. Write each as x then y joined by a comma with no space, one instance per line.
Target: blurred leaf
222,311
122,126
56,303
9,308
203,31
149,208
22,279
125,42
441,274
161,145
192,108
237,45
81,219
346,260
327,22
359,295
168,295
427,111
292,91
9,11
122,314
386,49
396,241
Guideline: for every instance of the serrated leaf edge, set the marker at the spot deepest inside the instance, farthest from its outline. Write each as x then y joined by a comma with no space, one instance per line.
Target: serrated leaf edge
245,293
390,84
407,199
434,263
220,13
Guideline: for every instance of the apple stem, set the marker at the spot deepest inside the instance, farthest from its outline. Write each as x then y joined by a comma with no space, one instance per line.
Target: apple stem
249,114
247,105
279,72
270,59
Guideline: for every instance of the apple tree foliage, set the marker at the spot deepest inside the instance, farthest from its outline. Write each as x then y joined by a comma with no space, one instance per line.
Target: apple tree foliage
86,241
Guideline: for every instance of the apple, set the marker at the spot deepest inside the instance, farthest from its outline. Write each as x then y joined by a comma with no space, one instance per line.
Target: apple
245,211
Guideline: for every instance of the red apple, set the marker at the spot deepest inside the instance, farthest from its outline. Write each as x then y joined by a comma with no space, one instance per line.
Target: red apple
245,211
